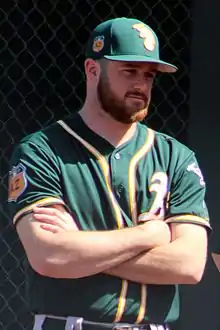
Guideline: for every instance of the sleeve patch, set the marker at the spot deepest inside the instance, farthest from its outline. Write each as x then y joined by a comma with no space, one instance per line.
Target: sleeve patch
195,169
17,182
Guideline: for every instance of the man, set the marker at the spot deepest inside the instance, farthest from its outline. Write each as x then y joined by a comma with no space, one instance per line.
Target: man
111,214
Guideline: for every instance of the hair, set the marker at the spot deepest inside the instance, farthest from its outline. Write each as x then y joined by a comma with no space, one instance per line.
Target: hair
103,65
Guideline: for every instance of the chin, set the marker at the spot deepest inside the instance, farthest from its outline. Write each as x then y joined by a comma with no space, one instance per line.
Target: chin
139,116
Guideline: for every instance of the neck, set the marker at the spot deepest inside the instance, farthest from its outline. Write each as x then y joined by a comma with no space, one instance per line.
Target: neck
107,127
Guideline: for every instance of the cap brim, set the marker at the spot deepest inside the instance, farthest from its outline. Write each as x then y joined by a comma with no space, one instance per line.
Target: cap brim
162,66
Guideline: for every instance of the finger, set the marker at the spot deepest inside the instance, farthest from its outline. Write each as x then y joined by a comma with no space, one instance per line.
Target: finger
62,211
51,228
75,225
54,216
48,219
45,210
51,211
148,217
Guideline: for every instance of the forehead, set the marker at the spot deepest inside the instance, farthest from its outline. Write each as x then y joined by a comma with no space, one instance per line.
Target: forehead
143,66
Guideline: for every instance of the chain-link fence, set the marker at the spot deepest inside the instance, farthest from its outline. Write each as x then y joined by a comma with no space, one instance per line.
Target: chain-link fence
42,79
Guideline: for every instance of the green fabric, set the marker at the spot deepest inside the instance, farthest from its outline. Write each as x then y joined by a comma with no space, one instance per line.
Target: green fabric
58,166
126,39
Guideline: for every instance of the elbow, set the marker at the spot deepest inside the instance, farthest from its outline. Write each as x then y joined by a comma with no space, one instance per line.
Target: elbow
49,267
56,266
192,271
44,267
193,276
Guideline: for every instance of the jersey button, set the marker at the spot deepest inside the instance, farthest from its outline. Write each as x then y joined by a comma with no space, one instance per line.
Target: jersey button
117,156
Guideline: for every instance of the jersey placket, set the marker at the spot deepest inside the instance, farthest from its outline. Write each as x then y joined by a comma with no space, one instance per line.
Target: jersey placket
117,171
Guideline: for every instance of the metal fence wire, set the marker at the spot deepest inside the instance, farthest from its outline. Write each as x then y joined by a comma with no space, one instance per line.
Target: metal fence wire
42,80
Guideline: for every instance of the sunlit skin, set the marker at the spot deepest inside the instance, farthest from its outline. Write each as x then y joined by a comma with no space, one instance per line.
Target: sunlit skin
118,96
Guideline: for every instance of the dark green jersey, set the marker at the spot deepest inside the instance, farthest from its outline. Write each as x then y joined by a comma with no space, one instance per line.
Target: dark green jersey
105,188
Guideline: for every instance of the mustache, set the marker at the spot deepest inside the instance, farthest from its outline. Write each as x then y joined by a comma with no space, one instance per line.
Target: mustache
138,95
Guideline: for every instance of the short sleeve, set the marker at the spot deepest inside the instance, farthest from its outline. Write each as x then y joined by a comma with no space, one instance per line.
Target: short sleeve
34,179
187,195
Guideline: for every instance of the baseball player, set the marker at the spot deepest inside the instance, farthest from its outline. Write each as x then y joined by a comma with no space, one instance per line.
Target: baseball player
111,214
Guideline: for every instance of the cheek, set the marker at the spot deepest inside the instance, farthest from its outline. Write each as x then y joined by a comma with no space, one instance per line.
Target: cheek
118,90
118,84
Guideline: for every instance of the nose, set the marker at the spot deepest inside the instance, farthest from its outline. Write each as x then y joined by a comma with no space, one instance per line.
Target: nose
142,84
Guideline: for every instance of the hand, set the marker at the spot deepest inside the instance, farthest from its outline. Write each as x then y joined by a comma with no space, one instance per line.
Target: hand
157,232
143,217
54,218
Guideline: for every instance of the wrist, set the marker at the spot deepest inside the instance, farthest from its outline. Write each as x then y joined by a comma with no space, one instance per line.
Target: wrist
154,233
142,238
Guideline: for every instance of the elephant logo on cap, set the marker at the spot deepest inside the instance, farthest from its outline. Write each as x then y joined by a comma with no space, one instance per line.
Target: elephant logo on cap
147,35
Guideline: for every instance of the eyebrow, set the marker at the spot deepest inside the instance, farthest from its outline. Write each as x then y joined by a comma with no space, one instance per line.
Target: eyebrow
135,65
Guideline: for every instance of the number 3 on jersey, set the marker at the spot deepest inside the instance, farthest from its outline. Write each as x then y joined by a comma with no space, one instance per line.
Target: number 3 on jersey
159,188
158,185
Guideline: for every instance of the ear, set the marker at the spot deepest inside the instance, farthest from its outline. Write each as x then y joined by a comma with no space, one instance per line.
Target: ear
92,69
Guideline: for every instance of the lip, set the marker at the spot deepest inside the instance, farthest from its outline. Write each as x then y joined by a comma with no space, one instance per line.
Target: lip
137,97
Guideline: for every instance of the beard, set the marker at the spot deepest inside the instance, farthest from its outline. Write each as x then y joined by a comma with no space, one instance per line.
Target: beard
133,108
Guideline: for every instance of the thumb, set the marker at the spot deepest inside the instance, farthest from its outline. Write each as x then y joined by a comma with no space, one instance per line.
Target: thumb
148,217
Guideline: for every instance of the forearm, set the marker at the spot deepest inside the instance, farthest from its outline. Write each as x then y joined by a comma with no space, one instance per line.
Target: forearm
169,264
64,252
87,253
77,254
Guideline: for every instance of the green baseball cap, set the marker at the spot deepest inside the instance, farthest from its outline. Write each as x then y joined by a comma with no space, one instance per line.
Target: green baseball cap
126,39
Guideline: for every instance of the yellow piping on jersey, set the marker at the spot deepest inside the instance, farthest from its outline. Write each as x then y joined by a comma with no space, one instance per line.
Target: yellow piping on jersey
41,202
105,169
122,301
133,206
120,223
189,218
143,305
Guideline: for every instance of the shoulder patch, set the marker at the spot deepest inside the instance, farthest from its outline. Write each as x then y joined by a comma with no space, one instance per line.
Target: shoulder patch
98,43
17,182
195,169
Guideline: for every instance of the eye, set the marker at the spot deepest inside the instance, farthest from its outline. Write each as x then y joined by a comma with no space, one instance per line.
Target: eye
130,71
149,75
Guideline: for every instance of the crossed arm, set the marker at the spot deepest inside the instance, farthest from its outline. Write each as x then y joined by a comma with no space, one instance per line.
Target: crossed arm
182,261
140,254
